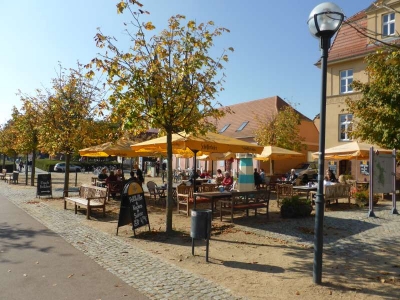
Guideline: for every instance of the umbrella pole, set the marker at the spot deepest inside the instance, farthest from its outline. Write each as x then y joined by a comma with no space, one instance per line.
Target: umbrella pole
194,177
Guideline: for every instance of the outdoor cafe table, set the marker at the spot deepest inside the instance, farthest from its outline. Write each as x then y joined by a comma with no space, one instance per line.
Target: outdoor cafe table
213,197
163,189
305,188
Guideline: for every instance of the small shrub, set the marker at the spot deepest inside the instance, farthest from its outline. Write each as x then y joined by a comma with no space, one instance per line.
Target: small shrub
294,206
362,198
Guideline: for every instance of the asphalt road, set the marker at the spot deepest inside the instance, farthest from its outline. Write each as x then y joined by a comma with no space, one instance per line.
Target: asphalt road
35,263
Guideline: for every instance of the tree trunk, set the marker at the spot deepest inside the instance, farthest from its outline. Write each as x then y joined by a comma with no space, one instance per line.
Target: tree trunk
26,170
66,179
33,166
170,200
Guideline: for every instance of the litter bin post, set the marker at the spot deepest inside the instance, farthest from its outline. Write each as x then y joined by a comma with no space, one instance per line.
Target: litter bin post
201,227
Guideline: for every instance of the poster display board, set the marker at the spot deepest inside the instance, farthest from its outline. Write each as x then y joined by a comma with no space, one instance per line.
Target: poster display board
133,208
383,173
44,185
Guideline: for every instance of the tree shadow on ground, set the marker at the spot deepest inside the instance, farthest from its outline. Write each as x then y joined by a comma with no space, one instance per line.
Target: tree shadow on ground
16,237
353,265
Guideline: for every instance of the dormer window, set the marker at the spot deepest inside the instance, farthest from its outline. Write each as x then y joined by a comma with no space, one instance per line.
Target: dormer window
242,126
224,128
388,24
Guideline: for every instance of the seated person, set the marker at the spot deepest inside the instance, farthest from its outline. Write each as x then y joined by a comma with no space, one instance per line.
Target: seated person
205,174
219,177
331,175
327,181
120,175
194,175
227,182
342,179
292,176
112,177
103,175
305,179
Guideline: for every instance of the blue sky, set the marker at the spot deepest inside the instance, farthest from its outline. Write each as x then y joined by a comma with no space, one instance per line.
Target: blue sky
274,51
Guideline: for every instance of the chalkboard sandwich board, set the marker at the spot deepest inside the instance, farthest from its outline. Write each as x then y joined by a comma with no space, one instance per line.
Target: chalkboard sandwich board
133,207
44,185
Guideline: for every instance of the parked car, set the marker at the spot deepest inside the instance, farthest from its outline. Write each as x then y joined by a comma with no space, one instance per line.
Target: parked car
309,168
60,167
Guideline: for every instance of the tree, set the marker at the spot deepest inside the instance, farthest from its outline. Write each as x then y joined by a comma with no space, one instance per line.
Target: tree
282,130
8,135
27,121
68,114
167,81
377,113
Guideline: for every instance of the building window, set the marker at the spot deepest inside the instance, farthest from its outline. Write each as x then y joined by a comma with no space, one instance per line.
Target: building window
224,128
388,24
346,78
242,126
345,127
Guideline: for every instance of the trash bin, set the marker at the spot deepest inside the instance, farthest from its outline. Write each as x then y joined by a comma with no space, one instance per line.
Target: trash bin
200,224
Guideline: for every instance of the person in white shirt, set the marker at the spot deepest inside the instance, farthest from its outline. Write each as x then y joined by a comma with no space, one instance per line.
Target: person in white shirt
327,181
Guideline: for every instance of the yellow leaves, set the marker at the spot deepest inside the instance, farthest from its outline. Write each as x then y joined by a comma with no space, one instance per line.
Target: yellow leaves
149,26
191,24
90,74
121,7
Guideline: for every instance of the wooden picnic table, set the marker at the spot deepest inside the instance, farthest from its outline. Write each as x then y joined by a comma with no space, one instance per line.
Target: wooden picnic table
212,197
305,188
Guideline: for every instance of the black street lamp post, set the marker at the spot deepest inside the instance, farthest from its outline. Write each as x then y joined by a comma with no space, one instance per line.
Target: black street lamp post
323,22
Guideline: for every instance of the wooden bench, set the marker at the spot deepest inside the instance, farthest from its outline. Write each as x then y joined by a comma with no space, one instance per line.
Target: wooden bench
335,192
89,197
3,174
244,201
12,177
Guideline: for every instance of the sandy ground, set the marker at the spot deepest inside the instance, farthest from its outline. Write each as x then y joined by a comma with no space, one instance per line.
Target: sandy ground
251,265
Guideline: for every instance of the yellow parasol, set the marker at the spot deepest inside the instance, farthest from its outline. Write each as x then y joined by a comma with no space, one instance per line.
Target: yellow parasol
277,153
348,151
118,148
210,142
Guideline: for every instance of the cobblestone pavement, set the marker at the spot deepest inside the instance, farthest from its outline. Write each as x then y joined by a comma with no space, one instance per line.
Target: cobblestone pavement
148,274
346,233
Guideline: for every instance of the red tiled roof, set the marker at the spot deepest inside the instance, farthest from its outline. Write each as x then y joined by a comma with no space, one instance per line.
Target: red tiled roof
351,39
249,111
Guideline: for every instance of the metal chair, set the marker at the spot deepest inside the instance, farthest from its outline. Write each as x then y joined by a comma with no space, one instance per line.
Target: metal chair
155,192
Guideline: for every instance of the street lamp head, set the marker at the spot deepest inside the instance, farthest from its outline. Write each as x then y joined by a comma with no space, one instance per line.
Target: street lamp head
325,19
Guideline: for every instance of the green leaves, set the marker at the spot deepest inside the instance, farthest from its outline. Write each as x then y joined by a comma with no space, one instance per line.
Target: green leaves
377,111
282,130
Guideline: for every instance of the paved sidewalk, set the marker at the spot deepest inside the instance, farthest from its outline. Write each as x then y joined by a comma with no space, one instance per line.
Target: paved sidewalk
37,264
148,274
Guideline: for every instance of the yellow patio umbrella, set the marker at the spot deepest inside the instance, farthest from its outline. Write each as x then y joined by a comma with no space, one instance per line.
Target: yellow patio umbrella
210,142
217,156
277,153
120,147
272,153
348,151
